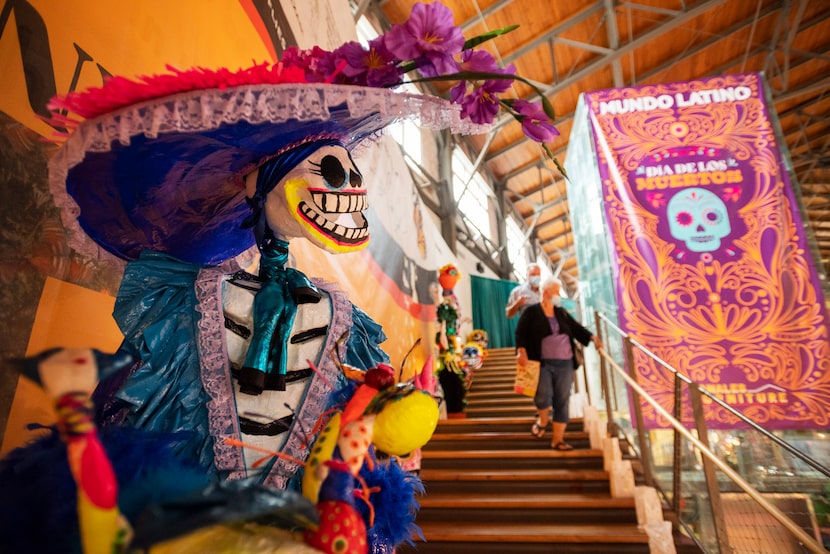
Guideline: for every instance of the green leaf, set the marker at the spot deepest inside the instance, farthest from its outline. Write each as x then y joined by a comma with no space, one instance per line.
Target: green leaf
466,76
547,106
479,39
406,67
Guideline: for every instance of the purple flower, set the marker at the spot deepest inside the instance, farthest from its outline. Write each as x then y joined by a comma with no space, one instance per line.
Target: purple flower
482,61
428,38
536,124
375,67
479,61
482,104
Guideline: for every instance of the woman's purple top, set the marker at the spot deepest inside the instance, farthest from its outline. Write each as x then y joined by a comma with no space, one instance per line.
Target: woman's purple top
558,345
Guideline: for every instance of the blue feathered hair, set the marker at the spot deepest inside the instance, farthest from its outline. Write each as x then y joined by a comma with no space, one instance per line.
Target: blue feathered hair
395,505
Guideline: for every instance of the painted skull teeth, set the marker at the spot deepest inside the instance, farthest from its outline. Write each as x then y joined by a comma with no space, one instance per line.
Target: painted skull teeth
340,202
337,203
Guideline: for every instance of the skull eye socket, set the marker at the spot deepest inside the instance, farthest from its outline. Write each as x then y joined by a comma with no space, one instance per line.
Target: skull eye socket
711,217
684,219
332,171
355,179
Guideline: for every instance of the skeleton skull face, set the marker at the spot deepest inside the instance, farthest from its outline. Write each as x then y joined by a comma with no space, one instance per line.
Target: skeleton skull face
321,199
699,218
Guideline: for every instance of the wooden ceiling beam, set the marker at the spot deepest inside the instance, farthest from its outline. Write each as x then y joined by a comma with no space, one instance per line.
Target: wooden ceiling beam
545,36
600,63
485,13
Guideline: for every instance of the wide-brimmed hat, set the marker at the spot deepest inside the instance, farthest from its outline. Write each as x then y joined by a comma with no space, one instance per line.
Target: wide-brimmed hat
166,174
158,162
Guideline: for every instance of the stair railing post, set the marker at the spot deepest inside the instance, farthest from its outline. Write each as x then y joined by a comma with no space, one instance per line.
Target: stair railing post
585,378
709,471
612,383
642,435
611,424
677,466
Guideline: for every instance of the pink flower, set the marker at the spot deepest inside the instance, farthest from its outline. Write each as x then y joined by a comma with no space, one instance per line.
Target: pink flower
536,124
428,38
375,67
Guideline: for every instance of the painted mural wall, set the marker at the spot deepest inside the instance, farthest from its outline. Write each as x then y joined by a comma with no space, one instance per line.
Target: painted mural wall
56,297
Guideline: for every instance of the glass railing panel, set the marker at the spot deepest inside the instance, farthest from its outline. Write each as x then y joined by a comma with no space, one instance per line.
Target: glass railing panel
773,488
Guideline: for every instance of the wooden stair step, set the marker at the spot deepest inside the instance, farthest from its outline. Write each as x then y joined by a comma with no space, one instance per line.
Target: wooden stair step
479,375
478,394
496,424
502,389
524,506
500,436
499,454
431,475
544,533
515,400
482,421
494,385
496,370
515,419
488,411
537,458
513,440
537,501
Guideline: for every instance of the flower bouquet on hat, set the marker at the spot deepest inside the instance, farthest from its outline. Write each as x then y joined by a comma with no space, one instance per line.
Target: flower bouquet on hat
180,174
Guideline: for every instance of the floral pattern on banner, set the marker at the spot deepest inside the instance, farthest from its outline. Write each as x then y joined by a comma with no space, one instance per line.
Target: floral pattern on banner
714,273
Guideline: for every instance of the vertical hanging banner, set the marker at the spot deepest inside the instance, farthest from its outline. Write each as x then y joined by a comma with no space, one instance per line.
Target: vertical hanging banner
713,271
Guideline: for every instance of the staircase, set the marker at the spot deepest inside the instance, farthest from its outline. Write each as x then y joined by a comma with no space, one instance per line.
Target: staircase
491,487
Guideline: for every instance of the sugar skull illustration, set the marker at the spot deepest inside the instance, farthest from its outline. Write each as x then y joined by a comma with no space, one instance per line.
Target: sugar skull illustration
699,218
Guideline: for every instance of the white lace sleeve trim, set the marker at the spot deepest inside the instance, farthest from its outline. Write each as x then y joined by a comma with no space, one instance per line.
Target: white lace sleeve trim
223,422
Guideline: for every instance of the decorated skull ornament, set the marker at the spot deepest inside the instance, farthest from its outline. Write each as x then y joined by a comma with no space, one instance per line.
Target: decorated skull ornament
699,218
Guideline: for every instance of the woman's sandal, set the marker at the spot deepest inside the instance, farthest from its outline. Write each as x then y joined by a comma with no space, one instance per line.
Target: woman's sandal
537,430
562,446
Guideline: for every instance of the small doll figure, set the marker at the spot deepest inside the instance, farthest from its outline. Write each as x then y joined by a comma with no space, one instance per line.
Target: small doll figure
448,312
453,373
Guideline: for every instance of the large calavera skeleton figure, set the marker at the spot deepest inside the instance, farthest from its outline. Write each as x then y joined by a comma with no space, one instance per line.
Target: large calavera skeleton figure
232,364
191,177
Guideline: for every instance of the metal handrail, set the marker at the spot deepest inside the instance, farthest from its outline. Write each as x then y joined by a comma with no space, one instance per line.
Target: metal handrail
780,442
782,518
